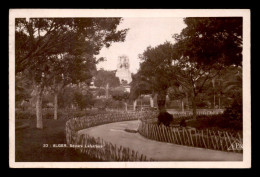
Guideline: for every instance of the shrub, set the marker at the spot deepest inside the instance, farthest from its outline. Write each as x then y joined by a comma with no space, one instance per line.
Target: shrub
183,123
62,113
165,118
234,112
218,121
26,114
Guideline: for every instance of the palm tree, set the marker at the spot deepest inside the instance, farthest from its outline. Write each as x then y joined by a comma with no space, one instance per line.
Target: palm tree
233,89
233,83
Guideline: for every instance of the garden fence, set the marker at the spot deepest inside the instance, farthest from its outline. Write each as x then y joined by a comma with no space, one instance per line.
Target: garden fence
105,151
216,140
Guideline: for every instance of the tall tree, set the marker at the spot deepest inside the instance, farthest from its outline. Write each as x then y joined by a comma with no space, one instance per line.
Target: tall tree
103,77
69,69
211,40
23,90
39,42
156,69
203,49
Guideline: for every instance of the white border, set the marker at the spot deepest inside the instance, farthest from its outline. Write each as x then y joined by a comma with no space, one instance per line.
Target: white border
245,13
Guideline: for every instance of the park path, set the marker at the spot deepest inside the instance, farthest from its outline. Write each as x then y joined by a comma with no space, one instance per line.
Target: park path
159,151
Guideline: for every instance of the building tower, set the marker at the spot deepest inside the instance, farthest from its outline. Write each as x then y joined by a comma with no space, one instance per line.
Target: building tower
123,72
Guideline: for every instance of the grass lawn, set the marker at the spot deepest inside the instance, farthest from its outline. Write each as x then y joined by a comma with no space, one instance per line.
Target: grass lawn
29,142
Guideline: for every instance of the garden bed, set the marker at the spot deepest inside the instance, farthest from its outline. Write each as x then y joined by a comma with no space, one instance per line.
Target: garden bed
207,131
216,140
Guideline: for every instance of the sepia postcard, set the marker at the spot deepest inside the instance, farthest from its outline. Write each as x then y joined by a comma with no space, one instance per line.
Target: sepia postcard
129,88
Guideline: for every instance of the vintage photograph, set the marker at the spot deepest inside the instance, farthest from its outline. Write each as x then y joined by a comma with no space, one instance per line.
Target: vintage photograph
129,88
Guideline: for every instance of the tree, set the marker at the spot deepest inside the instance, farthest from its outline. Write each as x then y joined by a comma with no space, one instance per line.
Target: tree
156,69
103,77
209,40
69,69
83,100
104,80
40,42
66,97
101,92
139,86
204,48
120,94
23,89
233,88
176,92
193,77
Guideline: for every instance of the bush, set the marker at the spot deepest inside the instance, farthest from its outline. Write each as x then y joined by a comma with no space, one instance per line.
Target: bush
165,118
183,123
218,121
26,114
62,114
114,104
234,112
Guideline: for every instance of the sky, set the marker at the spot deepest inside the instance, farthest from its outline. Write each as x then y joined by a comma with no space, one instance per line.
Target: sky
143,32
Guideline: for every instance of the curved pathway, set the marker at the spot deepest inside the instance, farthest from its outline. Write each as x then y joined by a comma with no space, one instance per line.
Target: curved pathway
159,151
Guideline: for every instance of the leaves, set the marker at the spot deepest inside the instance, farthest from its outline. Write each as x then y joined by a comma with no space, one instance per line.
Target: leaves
119,94
102,78
55,52
211,40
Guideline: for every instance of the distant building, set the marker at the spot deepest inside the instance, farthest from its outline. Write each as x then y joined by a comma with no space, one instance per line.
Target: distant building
123,72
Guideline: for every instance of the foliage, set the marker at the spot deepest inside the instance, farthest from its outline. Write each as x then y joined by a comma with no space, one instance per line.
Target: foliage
176,92
83,100
66,96
139,86
41,37
224,87
100,92
62,113
183,123
23,88
103,77
156,66
100,104
119,94
221,121
114,104
203,49
165,118
55,52
156,69
208,40
235,111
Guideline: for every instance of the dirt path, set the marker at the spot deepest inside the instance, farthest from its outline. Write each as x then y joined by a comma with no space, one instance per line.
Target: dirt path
116,134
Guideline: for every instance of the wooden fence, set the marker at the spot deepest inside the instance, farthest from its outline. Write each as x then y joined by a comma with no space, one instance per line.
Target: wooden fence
199,113
97,147
216,140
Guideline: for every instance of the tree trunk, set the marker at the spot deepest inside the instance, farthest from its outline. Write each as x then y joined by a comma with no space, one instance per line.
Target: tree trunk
219,102
107,87
134,105
187,96
141,103
39,109
55,105
214,100
151,101
125,106
182,105
194,107
161,100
